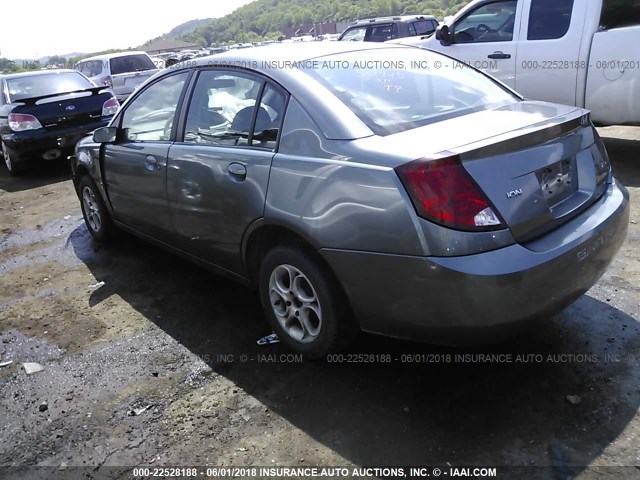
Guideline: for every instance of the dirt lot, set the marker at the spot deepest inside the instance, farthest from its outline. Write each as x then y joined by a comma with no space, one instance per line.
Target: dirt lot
137,348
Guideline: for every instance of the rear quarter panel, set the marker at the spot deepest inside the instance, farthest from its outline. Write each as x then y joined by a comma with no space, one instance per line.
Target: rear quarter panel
326,191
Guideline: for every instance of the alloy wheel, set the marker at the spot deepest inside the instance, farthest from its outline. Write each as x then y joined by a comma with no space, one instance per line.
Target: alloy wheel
295,303
91,209
7,158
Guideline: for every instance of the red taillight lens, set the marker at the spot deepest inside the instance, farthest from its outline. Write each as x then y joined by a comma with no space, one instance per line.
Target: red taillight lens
106,81
110,107
442,191
19,122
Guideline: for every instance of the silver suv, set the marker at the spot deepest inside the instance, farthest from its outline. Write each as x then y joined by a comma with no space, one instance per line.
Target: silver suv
123,72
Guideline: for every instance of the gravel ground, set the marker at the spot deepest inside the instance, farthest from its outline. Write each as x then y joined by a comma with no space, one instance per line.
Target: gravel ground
150,360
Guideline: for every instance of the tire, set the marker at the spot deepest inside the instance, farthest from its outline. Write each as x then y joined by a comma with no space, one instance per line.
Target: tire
304,303
14,163
95,213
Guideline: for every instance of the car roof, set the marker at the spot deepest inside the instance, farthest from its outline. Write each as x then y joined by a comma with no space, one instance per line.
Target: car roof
266,60
109,56
37,73
294,52
398,18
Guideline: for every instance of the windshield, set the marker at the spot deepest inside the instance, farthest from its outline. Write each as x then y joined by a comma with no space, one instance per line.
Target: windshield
131,63
31,86
397,89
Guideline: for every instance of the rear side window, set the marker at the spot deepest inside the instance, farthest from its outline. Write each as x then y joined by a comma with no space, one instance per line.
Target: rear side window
549,19
131,63
222,109
620,13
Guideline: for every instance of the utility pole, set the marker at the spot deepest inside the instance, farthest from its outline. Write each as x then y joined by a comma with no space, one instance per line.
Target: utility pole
242,28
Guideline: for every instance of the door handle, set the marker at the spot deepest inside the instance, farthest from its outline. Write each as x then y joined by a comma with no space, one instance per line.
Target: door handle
499,56
237,170
151,162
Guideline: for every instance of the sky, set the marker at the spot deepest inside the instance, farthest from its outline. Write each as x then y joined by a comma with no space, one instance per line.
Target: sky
38,28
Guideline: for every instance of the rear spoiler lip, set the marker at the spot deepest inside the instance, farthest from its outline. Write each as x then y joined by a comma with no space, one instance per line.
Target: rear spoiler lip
33,100
524,137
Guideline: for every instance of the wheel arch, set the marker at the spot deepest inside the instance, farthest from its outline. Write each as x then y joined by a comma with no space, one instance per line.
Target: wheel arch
262,236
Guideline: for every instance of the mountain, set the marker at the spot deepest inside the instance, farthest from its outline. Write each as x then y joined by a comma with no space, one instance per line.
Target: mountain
187,27
183,29
266,19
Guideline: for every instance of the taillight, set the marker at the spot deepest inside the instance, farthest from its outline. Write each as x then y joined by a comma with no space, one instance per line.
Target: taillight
107,81
19,122
110,107
442,191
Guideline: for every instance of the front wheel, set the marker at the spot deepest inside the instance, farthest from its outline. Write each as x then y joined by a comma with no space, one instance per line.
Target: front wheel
304,304
94,211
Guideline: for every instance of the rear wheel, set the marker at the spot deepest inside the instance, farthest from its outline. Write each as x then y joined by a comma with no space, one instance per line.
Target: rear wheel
94,211
304,304
14,164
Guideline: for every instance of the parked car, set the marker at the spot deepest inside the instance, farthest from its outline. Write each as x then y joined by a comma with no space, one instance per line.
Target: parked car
576,53
123,72
388,28
171,61
44,113
424,203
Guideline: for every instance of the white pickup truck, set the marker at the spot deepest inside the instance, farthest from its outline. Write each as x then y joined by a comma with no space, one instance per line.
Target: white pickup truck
577,52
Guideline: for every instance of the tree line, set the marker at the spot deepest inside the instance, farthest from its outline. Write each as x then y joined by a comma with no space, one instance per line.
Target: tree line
266,19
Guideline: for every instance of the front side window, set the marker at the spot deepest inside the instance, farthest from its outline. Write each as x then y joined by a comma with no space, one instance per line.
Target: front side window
493,22
549,19
354,35
222,109
149,117
399,90
620,13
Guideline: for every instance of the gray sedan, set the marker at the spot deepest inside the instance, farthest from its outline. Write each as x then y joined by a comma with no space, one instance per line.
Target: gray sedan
361,187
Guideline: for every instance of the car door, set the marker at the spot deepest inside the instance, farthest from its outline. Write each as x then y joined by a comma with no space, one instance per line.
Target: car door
486,38
549,58
135,165
218,174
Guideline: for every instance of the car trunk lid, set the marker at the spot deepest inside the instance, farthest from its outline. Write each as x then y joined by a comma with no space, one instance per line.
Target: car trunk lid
65,109
543,177
538,164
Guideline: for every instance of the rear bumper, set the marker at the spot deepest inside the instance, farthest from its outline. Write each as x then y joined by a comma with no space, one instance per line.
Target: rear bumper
485,297
35,142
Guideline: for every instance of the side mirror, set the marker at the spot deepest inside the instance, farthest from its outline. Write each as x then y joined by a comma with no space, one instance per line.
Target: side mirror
105,135
443,34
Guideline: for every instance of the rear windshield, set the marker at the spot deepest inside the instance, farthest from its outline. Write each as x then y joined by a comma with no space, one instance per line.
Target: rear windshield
90,68
131,63
31,86
397,89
